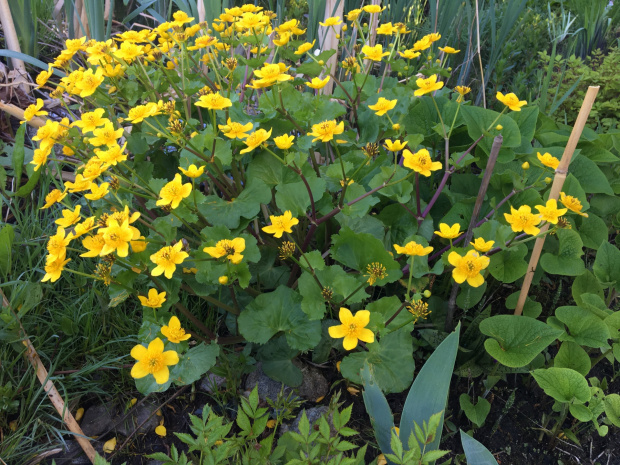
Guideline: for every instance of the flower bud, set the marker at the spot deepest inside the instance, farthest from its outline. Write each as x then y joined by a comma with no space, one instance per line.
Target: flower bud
525,166
548,180
396,127
344,27
223,280
321,62
427,293
499,127
338,36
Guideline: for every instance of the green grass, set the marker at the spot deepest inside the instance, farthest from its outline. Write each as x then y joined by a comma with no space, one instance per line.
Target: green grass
71,327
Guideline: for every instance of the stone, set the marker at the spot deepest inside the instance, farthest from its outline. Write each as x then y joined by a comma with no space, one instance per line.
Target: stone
211,382
72,454
313,414
139,414
313,386
98,419
267,387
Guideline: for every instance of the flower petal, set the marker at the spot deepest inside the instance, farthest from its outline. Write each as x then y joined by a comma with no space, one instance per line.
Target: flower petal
162,376
475,281
170,357
139,352
366,335
139,371
362,318
156,346
337,331
345,316
349,342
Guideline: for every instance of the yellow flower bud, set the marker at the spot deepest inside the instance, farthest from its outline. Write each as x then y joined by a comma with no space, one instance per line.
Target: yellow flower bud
396,127
525,166
344,27
337,36
223,280
427,293
321,62
548,180
499,127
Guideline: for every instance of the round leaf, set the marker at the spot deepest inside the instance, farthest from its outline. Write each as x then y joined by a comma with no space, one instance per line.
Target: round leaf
563,384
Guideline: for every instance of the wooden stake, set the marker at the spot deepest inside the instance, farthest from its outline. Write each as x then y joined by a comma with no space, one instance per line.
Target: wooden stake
12,43
328,41
556,188
51,390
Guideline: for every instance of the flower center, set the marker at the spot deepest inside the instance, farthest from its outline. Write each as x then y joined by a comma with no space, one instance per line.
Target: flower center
352,329
154,363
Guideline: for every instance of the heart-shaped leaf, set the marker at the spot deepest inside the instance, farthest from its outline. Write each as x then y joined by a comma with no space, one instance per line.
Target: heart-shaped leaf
563,384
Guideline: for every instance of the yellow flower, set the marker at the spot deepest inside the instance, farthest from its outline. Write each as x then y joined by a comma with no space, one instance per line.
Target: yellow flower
40,156
255,139
432,37
94,245
283,39
235,130
383,106
281,224
353,328
84,227
272,73
523,220
53,268
43,76
318,83
139,113
57,244
462,90
373,9
139,245
409,54
353,14
117,237
167,259
106,135
90,121
428,85
174,332
193,171
115,154
223,280
413,248
422,44
303,48
154,299
160,430
572,203
525,166
109,445
53,197
395,146
129,51
231,249
481,245
80,184
387,29
420,162
34,110
174,192
153,361
89,82
69,217
550,212
271,424
548,160
333,21
449,232
448,50
284,142
468,267
375,53
98,192
511,101
326,130
213,101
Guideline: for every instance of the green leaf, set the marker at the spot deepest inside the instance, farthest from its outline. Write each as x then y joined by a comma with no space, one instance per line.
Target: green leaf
229,213
469,296
196,362
526,119
334,278
358,250
400,192
378,409
563,384
517,340
294,196
606,265
593,231
573,356
17,159
586,283
475,413
277,311
509,265
391,360
568,260
478,121
612,408
147,385
531,308
276,357
475,452
429,392
584,328
590,176
7,236
580,412
27,188
383,309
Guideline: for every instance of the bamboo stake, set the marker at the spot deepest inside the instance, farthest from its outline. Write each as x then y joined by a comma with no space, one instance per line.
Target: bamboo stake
12,43
328,40
17,112
556,187
51,390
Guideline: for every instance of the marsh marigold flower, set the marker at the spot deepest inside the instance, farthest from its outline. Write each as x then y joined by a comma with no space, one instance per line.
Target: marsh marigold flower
34,110
228,248
89,82
422,44
481,245
523,220
93,245
375,272
318,83
106,135
383,106
90,121
115,154
98,192
375,53
174,332
284,142
117,237
395,146
57,244
193,171
80,184
303,48
152,360
409,54
572,203
428,85
174,192
550,211
255,139
420,162
69,217
462,91
468,268
213,101
449,232
234,130
333,21
373,9
412,248
352,329
53,197
352,15
511,101
272,73
326,130
448,50
281,224
548,160
167,259
153,299
54,268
